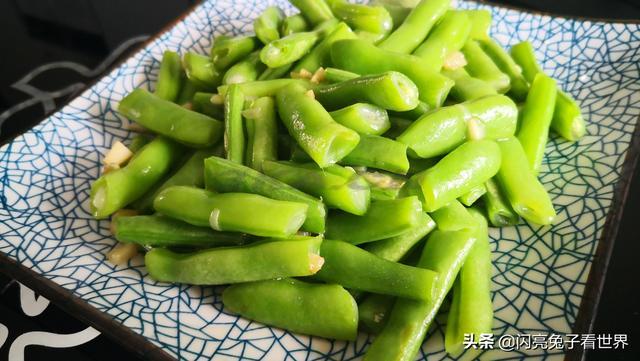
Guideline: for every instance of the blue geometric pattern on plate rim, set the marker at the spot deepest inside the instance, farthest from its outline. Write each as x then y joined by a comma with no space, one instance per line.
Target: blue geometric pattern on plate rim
539,272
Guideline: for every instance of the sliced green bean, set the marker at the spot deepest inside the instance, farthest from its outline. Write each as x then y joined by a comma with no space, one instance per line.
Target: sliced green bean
519,85
526,194
161,231
389,90
524,55
275,73
201,71
253,262
262,132
414,29
448,36
227,50
368,18
114,190
481,66
234,141
334,75
320,56
396,248
338,187
380,153
224,176
536,118
308,308
384,219
453,217
414,113
267,25
287,50
170,119
170,77
363,58
467,87
469,198
363,118
264,88
384,186
326,141
417,165
293,24
398,126
187,92
373,311
480,23
201,103
499,211
315,11
246,70
239,212
137,143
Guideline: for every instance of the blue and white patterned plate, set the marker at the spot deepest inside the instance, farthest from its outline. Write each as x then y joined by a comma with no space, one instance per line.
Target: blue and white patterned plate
540,273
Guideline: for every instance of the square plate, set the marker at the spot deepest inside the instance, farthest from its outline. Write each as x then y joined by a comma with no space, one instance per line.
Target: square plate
48,239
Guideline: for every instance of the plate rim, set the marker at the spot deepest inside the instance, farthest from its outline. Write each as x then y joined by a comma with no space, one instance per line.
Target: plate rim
144,348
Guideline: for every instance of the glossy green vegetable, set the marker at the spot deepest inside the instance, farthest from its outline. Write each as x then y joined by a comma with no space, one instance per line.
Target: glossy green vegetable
308,308
217,266
244,71
472,308
320,56
384,186
408,321
567,117
417,165
467,87
368,18
224,176
526,194
442,130
469,165
115,189
170,119
448,36
384,219
536,118
338,187
355,268
275,73
161,231
519,85
414,29
498,209
363,118
170,77
334,75
453,217
201,103
315,11
293,24
380,153
137,143
360,57
286,50
414,113
187,92
234,141
262,132
398,126
373,311
480,23
481,66
239,212
396,248
389,90
201,71
469,198
227,50
264,88
267,25
326,141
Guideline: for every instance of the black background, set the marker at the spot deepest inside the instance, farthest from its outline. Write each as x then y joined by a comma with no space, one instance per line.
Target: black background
36,32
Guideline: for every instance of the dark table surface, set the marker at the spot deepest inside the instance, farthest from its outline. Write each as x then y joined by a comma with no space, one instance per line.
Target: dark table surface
95,34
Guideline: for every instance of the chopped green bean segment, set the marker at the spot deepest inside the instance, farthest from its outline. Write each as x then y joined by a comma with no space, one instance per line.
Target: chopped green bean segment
396,248
364,118
380,153
480,23
412,114
467,87
267,25
201,103
499,211
384,186
373,311
448,36
262,132
519,85
264,88
227,51
201,71
469,198
453,217
371,19
334,75
234,140
244,71
286,50
481,66
293,24
320,56
170,77
315,11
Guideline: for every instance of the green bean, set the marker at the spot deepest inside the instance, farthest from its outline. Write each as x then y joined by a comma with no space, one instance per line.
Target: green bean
287,50
234,141
326,141
239,212
373,311
498,209
293,24
470,164
536,118
442,130
412,114
407,323
246,70
262,132
398,126
384,219
368,18
227,50
114,190
161,231
137,143
308,308
170,119
315,11
267,24
333,75
467,87
384,186
224,176
379,152
481,66
469,198
396,248
480,23
526,194
201,71
389,90
453,217
416,26
253,262
519,85
320,56
338,187
473,313
448,36
264,88
187,92
399,10
275,73
357,269
190,173
170,77
201,103
363,118
361,57
567,117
